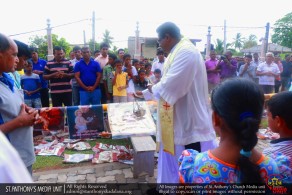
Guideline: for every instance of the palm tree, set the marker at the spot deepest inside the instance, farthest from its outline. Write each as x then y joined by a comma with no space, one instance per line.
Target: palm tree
252,37
250,42
115,49
219,47
107,38
93,46
238,41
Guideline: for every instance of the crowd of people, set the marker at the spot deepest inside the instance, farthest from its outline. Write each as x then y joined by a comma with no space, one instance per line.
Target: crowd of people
85,79
182,82
272,74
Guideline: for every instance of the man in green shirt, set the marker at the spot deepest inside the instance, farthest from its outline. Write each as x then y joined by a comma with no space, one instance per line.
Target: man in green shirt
108,76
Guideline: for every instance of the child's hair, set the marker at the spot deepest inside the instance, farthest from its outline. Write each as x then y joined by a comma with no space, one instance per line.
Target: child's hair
240,103
157,71
29,62
135,61
23,49
117,61
126,56
33,49
141,71
281,105
120,50
76,48
77,111
147,64
159,51
96,51
248,56
112,56
102,45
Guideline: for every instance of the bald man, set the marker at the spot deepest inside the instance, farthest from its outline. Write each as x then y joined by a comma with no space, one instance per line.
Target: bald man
16,119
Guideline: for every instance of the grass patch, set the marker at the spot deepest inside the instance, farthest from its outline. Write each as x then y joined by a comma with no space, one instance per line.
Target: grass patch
55,162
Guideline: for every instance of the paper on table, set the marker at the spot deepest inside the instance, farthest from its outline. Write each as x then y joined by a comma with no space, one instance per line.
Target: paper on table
147,95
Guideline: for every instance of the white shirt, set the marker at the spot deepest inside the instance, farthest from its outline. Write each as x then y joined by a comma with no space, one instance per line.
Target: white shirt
12,168
256,64
185,86
131,87
157,65
265,79
74,61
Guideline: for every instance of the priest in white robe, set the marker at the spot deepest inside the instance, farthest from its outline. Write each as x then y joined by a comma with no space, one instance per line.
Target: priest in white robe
184,115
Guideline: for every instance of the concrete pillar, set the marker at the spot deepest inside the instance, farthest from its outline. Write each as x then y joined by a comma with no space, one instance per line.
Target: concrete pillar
263,48
93,30
208,46
50,43
137,53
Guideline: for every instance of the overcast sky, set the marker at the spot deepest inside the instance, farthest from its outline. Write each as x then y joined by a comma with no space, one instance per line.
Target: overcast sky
120,17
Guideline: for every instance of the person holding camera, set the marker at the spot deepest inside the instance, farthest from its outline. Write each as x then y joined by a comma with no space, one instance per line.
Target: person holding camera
227,66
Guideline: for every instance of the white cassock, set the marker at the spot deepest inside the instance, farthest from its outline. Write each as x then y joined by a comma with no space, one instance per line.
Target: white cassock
185,87
12,168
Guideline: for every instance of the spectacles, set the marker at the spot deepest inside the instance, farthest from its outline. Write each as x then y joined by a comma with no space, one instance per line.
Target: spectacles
160,39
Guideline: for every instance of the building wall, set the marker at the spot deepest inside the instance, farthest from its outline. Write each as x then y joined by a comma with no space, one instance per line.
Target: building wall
149,51
148,47
131,46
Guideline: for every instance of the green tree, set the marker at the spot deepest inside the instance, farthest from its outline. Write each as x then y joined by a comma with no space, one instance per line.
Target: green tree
219,47
62,43
283,31
114,49
107,38
228,47
238,41
250,42
42,44
91,45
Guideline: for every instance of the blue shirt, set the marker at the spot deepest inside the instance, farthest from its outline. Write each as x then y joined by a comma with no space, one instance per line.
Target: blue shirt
40,65
88,72
31,83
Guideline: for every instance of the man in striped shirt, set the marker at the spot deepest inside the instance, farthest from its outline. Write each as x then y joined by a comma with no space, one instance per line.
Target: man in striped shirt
59,72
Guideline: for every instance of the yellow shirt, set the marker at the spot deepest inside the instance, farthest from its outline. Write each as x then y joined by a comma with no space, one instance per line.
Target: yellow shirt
121,80
21,72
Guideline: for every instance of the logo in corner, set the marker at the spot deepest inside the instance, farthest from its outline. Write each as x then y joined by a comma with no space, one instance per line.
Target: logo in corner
275,184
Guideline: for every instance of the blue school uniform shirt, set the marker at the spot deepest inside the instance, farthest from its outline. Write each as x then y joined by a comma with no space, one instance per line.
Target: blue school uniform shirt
30,83
40,65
